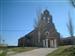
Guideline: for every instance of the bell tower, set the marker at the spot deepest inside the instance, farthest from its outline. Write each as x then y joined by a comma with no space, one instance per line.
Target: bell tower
47,17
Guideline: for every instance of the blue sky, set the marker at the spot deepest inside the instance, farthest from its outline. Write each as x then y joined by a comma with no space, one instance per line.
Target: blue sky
17,17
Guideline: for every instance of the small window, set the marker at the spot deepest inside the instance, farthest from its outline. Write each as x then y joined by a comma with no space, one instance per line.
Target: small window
48,20
44,18
47,32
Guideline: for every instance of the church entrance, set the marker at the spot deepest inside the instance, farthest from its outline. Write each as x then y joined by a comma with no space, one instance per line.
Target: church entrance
50,43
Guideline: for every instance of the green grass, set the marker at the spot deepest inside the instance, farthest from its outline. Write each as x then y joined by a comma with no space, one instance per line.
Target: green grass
22,49
63,51
15,50
3,53
4,50
19,50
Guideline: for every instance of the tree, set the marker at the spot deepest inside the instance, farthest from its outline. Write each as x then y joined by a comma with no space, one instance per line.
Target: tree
71,29
70,25
73,3
39,25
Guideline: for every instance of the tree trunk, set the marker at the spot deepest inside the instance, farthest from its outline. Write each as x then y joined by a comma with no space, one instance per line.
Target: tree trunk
39,38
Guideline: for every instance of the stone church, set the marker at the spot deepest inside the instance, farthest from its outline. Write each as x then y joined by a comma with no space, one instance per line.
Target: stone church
44,35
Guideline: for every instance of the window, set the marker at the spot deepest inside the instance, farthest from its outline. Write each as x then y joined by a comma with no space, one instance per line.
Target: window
48,20
43,18
47,32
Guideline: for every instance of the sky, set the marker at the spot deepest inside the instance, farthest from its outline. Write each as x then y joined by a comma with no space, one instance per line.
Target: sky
17,17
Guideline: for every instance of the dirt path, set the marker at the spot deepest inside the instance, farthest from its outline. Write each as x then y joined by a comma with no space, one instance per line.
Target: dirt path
36,52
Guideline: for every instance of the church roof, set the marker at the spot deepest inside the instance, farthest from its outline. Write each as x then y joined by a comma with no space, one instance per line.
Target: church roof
46,11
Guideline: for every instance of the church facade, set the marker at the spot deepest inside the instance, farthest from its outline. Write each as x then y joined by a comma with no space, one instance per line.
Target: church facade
44,35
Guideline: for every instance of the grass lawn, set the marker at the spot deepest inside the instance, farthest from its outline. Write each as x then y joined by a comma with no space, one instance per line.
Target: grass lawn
3,50
16,50
3,53
63,51
22,49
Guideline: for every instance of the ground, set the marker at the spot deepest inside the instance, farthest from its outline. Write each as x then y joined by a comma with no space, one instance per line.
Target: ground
31,51
36,52
10,51
63,51
3,51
